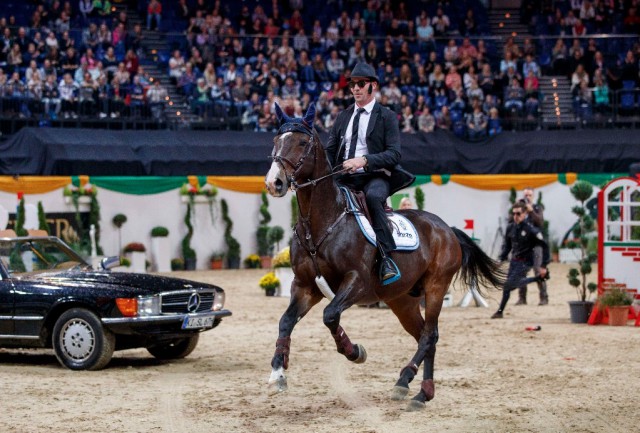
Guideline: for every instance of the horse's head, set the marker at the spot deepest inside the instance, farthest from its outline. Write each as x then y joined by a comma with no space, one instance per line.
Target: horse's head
293,152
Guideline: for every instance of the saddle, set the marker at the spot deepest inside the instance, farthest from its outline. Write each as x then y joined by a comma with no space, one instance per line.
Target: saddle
403,231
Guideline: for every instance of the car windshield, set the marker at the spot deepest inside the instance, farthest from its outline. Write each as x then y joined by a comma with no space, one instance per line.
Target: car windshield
32,255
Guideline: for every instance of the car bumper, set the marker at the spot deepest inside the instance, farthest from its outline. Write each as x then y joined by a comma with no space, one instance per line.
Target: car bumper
161,323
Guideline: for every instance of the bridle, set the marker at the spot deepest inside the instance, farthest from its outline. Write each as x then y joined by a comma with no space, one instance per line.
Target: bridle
297,166
306,240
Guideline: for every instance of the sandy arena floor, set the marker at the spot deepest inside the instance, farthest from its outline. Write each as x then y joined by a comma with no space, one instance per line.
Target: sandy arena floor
491,375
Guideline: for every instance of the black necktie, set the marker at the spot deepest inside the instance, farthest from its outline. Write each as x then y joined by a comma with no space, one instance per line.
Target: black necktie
354,134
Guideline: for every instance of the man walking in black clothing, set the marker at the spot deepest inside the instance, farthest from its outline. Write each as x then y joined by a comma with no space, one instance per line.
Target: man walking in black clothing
520,240
535,216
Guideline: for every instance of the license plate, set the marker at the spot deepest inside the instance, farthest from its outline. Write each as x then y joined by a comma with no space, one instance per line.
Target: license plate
197,322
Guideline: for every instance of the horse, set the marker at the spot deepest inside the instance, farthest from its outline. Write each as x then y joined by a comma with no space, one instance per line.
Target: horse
331,257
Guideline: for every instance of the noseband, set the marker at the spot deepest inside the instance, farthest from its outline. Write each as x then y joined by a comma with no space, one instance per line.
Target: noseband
309,147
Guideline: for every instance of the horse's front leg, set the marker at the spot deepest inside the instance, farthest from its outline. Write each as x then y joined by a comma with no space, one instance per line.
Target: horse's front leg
302,300
331,317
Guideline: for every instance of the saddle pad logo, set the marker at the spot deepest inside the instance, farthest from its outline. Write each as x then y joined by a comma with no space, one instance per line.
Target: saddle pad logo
404,233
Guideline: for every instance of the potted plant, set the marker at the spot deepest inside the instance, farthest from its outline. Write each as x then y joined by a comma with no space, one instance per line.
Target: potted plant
252,261
419,195
269,282
585,226
263,232
177,264
617,302
138,257
217,260
20,218
160,248
284,272
188,253
42,219
274,236
233,246
118,221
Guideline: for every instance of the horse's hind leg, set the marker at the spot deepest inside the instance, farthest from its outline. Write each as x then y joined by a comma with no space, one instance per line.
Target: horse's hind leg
427,349
426,334
301,303
408,312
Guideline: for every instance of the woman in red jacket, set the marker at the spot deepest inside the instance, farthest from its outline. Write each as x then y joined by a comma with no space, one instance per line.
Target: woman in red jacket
154,10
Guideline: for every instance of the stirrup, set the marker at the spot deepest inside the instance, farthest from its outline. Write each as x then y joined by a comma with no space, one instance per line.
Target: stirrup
391,275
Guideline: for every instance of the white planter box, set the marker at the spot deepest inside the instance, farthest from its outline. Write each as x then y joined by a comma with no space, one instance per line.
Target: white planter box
138,260
160,248
569,255
285,275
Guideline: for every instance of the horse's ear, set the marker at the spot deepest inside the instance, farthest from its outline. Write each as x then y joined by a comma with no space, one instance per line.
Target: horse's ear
311,115
282,118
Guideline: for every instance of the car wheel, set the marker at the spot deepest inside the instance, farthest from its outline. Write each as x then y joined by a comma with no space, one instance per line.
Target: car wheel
80,342
175,349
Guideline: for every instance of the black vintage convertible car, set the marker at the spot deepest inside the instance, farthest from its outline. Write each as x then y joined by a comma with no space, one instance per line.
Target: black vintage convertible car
50,297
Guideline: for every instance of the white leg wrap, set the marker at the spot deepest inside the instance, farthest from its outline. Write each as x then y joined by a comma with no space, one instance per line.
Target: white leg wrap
324,288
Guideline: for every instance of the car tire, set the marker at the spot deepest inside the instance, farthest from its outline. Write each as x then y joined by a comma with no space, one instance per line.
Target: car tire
80,342
175,349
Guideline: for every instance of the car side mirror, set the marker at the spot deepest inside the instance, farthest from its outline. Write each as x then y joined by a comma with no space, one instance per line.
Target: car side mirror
110,262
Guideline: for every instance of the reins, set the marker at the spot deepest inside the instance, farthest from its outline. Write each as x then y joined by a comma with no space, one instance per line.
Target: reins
297,166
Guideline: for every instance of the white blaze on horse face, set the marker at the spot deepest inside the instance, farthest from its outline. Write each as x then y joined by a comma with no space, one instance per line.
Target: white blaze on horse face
276,171
272,176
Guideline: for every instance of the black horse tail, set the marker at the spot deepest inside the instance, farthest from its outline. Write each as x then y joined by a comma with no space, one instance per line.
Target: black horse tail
478,269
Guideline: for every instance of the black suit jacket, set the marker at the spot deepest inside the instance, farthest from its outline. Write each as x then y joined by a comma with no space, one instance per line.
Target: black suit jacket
383,144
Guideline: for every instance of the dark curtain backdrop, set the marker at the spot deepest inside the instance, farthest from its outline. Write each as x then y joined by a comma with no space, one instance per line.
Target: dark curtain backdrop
48,151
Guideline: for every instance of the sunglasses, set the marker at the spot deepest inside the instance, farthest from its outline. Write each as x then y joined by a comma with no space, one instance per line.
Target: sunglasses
517,213
360,83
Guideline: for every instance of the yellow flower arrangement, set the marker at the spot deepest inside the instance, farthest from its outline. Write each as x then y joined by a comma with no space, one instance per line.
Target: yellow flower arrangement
252,261
269,281
282,259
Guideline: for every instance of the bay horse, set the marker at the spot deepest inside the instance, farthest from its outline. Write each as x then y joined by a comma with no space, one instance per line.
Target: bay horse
329,254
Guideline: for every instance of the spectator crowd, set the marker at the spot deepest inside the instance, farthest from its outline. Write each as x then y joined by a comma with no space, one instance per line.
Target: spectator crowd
234,59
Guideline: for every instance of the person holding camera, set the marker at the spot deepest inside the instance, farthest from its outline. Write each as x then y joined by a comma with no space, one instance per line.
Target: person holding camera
520,240
535,217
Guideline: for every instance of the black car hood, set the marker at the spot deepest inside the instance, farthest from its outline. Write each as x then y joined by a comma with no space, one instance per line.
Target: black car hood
144,282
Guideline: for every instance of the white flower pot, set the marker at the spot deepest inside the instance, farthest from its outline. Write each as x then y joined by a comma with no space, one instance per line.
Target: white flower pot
138,260
160,249
285,275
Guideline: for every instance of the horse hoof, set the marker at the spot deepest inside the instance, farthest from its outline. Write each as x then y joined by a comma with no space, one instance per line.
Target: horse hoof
416,405
278,386
362,354
399,393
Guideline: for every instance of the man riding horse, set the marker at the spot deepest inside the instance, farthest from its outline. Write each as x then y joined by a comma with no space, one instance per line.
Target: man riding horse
365,139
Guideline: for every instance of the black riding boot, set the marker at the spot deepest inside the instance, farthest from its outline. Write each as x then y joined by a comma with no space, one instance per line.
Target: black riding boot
389,272
522,296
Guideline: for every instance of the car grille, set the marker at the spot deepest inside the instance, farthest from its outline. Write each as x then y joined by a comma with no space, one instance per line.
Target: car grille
178,302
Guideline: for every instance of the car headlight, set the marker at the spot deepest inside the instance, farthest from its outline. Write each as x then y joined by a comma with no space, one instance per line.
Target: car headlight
218,301
148,305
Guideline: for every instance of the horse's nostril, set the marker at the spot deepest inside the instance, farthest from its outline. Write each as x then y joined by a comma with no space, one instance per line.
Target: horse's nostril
278,184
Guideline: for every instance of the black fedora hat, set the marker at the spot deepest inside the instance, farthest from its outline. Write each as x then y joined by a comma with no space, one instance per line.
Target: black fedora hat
364,70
